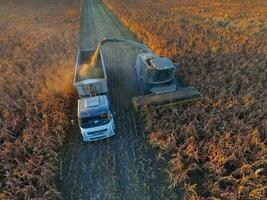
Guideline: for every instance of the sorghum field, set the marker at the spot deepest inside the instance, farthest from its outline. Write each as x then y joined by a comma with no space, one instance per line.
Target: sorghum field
217,145
37,47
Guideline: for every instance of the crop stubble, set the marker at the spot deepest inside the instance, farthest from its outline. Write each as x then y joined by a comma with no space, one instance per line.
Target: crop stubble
217,144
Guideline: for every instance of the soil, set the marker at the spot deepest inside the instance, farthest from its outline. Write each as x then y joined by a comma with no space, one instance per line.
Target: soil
124,166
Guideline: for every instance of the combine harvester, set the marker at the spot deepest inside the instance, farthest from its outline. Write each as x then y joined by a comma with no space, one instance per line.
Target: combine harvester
158,84
156,78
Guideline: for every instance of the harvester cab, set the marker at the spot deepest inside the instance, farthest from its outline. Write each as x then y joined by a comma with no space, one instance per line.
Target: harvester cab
155,74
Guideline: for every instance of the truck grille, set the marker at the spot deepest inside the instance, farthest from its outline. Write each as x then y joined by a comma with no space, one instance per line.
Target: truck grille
95,133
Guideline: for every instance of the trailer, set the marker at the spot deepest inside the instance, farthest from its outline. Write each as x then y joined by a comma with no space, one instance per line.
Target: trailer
93,83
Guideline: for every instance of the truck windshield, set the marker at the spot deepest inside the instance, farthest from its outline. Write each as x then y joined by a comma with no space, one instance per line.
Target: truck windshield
91,122
163,75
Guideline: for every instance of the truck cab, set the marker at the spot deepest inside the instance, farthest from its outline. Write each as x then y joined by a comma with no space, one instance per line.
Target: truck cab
95,118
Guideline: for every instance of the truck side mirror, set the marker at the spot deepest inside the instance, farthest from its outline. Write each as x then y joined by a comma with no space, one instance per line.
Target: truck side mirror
177,65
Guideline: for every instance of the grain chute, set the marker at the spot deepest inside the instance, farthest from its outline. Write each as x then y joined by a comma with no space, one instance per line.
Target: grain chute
156,78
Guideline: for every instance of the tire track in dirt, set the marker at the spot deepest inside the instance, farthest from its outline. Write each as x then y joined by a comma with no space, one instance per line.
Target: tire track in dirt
122,167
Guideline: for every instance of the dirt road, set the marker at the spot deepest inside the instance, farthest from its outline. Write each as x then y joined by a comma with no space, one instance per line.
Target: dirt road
125,166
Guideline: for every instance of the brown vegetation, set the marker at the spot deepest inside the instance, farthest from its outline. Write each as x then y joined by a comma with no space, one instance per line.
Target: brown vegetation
217,144
37,44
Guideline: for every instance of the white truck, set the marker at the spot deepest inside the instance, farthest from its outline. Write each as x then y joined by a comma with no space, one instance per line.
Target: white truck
95,117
